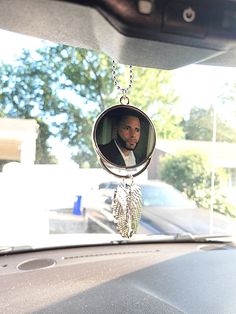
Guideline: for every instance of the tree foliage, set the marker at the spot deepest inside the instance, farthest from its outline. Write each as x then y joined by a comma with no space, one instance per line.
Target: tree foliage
25,94
66,88
199,126
154,93
190,173
187,171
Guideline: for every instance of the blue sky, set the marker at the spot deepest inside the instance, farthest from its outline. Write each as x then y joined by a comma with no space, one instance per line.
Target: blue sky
200,85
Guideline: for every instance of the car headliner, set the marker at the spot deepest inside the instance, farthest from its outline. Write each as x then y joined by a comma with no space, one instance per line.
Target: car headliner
104,25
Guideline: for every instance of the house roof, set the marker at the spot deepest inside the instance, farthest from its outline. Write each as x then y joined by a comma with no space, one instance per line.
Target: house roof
222,154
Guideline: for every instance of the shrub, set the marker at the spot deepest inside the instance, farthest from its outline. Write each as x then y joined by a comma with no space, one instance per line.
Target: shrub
190,172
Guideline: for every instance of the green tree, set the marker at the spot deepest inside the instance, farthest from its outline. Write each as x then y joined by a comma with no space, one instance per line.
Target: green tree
190,173
43,155
25,94
187,171
48,89
150,92
153,92
199,126
49,84
88,74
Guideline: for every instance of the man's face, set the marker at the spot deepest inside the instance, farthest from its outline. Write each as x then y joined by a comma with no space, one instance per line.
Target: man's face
129,132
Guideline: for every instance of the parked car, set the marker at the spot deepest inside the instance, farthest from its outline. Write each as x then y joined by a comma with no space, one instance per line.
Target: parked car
165,210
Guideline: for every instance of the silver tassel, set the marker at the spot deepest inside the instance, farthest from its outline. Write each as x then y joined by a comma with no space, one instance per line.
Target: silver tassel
126,206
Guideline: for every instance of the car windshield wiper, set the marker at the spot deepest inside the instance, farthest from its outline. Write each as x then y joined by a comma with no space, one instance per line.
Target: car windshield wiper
114,239
188,237
178,238
5,249
14,249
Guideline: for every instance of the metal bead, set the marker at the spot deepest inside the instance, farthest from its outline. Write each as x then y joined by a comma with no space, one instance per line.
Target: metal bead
124,90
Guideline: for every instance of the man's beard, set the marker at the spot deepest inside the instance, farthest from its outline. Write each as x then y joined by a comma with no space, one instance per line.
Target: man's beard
123,144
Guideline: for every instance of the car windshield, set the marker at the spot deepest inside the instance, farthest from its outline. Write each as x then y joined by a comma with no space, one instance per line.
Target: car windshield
165,196
52,181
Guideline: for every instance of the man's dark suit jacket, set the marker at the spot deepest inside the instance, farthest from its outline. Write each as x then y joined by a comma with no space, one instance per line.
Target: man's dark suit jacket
112,153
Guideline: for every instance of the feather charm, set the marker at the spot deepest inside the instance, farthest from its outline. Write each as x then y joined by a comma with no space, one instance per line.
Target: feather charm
126,206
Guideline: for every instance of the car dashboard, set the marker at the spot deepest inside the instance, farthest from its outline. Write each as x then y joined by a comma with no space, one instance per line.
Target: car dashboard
130,278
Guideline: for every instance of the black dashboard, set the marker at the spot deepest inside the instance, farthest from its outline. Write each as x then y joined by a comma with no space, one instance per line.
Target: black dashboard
132,278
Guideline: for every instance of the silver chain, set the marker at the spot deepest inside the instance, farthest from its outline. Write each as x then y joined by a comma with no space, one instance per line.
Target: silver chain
124,99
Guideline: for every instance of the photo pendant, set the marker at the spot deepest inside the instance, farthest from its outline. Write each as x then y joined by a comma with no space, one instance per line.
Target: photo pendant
124,139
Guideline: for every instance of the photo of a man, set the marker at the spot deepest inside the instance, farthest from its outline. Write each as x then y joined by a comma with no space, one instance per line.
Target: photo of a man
121,149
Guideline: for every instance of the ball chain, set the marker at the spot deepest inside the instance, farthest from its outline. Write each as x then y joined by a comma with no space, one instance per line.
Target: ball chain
123,90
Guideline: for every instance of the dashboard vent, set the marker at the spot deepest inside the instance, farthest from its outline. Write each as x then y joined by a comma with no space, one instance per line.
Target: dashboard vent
36,264
109,254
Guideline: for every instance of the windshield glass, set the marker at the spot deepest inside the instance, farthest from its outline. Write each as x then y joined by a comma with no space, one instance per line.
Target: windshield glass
51,179
165,196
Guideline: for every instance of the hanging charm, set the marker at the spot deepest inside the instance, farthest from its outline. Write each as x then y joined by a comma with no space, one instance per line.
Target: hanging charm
126,206
124,139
